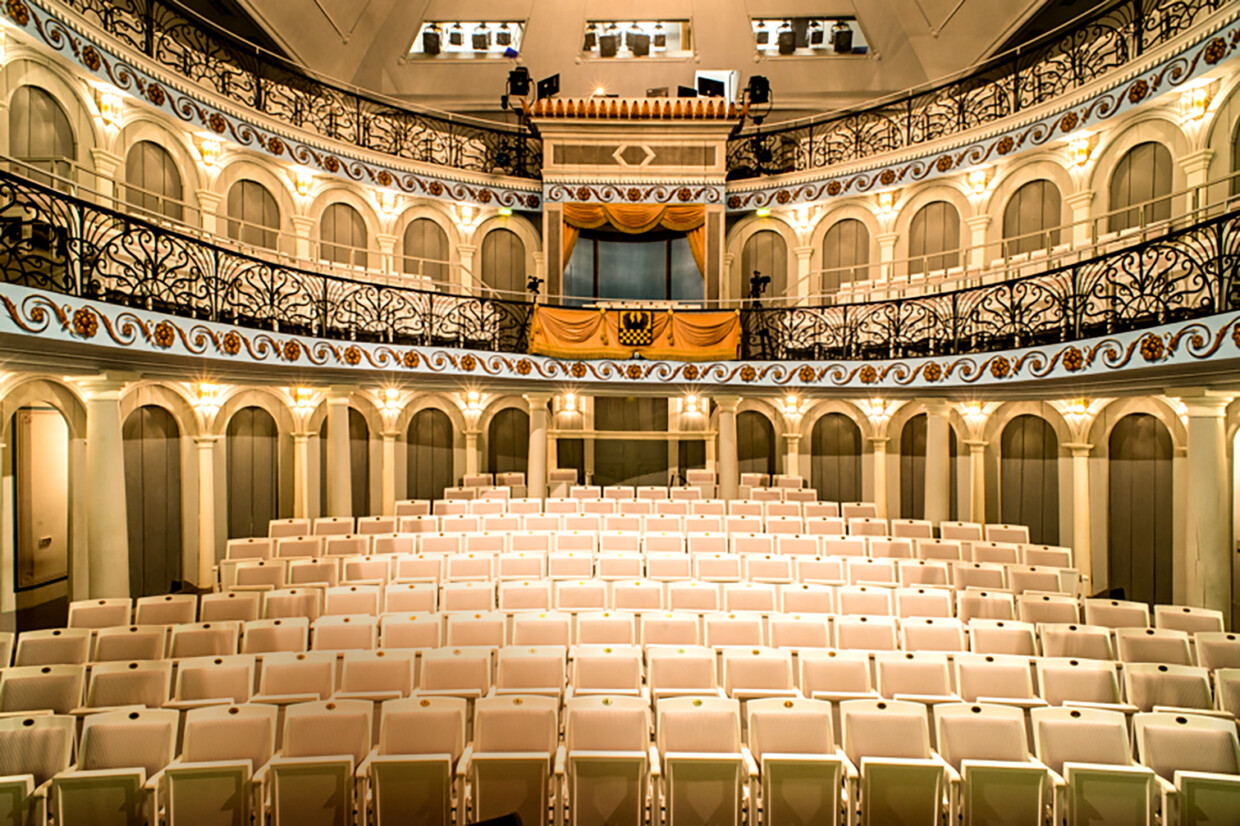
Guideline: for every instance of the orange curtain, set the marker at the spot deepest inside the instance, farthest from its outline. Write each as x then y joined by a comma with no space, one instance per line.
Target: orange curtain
594,334
635,219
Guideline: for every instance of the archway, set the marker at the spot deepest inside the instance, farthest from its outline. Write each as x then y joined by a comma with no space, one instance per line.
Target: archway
755,443
1029,477
835,458
508,441
152,443
1139,537
430,468
253,472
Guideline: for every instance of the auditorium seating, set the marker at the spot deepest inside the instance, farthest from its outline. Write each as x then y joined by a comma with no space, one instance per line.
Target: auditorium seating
452,673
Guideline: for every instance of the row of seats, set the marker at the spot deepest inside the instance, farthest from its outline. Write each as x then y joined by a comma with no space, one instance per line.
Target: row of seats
428,758
693,542
654,673
791,632
568,506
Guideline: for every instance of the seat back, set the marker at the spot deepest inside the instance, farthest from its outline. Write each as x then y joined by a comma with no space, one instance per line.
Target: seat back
1080,735
238,732
320,729
1062,680
1170,743
302,673
1147,685
376,672
42,687
40,745
789,726
143,683
423,725
52,646
125,739
698,724
216,678
980,731
884,728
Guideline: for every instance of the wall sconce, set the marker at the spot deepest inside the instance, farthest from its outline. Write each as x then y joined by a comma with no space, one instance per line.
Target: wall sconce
466,218
801,217
304,181
391,400
111,107
693,406
1079,149
878,410
206,400
569,403
505,211
886,203
792,405
303,399
1193,101
473,401
387,202
976,181
763,212
209,151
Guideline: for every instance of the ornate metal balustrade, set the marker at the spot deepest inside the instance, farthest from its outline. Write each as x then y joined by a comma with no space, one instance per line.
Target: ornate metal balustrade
242,74
59,243
1035,74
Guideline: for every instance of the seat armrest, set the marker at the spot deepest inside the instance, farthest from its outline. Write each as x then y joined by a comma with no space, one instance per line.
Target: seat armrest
83,711
561,757
841,696
751,765
363,768
467,756
655,767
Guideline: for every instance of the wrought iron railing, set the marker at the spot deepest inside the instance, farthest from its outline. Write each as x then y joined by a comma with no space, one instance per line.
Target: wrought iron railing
50,240
1033,74
247,76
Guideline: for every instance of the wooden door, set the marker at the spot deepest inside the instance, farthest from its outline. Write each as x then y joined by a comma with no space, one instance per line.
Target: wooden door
152,445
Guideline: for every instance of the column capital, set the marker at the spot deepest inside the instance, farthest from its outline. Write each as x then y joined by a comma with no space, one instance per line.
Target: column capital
302,224
537,401
879,441
976,445
937,407
1202,404
337,393
106,163
1079,449
383,238
208,440
105,386
303,435
887,238
389,435
727,404
1198,161
793,436
804,252
208,199
977,222
1079,199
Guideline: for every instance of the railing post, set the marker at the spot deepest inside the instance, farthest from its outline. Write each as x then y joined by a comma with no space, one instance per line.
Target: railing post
1138,27
148,36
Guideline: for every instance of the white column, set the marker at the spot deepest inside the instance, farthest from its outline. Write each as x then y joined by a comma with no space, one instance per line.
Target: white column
8,595
301,474
466,253
302,226
1196,166
206,510
339,463
977,242
387,252
803,287
1082,550
938,459
792,456
977,480
886,255
729,477
107,521
209,205
879,458
388,489
106,163
471,452
1082,227
1208,517
536,470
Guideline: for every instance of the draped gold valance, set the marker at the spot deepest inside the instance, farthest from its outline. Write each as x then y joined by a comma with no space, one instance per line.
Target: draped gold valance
635,219
695,336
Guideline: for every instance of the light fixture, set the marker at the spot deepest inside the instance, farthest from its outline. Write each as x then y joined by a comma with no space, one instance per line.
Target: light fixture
209,150
206,400
1078,149
792,405
693,405
304,181
570,403
505,210
387,201
886,203
111,107
473,401
976,181
303,399
762,212
1194,100
599,91
391,400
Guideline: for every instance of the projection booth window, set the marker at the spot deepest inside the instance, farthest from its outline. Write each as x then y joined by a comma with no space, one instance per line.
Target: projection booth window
611,265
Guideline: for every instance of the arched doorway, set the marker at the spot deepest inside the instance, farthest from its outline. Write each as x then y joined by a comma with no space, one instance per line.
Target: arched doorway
359,463
253,472
835,458
755,443
508,441
1139,537
1029,478
913,469
152,443
430,467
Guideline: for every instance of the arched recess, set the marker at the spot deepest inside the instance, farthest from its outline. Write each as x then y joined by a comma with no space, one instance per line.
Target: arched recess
359,463
508,441
1144,173
343,238
835,459
755,443
253,472
39,440
40,132
152,452
1140,493
913,469
765,252
845,255
503,264
1235,159
934,238
1031,217
253,214
424,249
153,180
1029,477
430,454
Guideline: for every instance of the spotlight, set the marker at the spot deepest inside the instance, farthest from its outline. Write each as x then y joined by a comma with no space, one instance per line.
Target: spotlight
608,44
431,41
503,37
841,37
519,82
456,37
481,38
759,90
639,44
787,41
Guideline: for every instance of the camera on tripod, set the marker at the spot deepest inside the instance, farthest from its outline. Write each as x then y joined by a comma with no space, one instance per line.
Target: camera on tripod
758,284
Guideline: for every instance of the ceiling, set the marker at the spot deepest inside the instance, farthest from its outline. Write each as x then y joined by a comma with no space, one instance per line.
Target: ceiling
364,43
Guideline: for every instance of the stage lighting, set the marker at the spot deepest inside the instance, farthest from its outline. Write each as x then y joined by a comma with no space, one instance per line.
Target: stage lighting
608,44
456,37
431,41
787,42
639,44
503,37
519,82
759,90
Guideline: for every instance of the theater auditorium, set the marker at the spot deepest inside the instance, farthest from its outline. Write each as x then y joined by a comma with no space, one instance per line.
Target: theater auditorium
579,413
